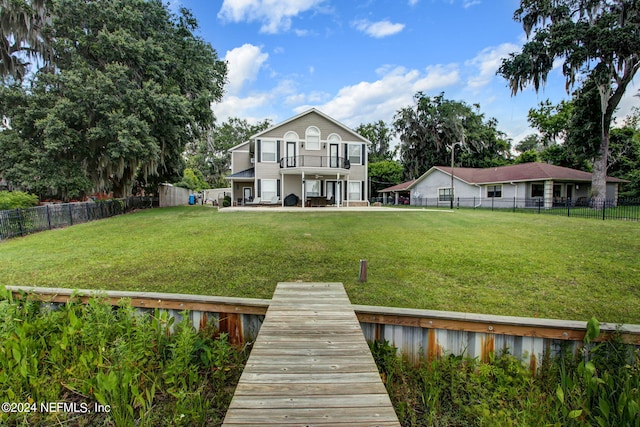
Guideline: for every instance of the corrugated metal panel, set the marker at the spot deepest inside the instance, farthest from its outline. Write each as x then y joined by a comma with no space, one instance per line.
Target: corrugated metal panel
416,334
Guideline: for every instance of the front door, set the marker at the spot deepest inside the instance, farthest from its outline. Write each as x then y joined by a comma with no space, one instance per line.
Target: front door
246,195
291,154
333,192
569,191
333,155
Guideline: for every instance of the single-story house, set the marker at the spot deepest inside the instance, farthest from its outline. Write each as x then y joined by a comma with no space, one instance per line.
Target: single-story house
308,160
522,185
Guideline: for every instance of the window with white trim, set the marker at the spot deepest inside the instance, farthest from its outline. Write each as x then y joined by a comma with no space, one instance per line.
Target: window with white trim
494,191
269,189
312,137
355,154
537,190
355,188
444,194
312,188
269,151
334,137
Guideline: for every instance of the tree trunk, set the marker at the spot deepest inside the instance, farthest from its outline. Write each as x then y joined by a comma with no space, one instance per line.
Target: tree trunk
599,177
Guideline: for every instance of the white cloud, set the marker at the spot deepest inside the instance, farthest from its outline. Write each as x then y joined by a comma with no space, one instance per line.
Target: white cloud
379,100
243,65
486,63
378,29
275,15
468,3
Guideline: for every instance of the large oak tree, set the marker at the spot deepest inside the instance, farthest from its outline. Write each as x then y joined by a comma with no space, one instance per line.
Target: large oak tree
596,40
433,124
131,87
23,36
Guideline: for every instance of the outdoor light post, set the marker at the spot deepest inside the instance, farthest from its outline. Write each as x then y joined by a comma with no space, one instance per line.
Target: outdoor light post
453,146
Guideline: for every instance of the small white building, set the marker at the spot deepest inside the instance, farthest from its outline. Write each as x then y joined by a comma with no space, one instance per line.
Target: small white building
514,186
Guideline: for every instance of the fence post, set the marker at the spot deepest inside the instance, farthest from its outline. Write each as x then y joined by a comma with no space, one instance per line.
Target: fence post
20,222
604,208
568,207
48,217
514,204
539,204
70,214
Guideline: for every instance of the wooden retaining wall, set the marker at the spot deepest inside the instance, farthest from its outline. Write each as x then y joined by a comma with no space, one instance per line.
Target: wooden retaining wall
416,333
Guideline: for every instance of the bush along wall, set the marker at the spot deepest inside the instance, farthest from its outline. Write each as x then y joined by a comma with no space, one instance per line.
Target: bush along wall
93,364
598,386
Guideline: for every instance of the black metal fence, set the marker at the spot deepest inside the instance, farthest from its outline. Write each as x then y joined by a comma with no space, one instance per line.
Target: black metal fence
618,209
20,222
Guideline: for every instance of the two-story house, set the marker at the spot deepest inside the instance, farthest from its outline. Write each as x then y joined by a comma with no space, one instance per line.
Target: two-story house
307,160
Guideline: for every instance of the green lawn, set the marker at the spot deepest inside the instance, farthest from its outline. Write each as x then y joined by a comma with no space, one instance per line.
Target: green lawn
468,261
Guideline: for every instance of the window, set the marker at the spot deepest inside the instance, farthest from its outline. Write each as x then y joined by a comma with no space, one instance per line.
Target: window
354,190
494,191
537,190
269,189
557,190
312,188
444,194
313,138
355,154
269,150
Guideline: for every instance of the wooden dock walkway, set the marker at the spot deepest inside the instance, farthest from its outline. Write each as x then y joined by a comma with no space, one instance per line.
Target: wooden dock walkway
310,365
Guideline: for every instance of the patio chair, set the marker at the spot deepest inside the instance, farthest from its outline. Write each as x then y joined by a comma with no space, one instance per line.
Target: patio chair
255,202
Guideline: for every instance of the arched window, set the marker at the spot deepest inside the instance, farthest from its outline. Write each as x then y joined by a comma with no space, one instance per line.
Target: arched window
291,137
313,138
291,148
334,137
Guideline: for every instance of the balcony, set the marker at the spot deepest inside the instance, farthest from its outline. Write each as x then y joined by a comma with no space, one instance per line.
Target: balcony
315,162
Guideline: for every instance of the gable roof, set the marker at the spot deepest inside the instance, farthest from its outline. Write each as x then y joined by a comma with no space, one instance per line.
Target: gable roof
516,173
398,187
321,114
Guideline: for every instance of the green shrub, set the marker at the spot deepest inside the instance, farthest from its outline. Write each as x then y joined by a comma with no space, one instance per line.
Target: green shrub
567,390
17,199
93,353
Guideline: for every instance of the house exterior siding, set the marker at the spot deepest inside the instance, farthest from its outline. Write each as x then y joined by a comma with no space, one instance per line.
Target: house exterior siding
515,186
282,153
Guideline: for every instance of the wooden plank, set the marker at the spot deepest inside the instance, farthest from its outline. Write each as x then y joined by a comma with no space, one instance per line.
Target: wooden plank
310,365
326,401
319,416
299,389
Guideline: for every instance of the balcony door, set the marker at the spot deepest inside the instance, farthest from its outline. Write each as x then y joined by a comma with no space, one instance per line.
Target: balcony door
333,155
291,154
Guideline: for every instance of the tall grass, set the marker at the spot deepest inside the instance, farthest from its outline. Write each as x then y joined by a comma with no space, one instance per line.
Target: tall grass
125,361
567,390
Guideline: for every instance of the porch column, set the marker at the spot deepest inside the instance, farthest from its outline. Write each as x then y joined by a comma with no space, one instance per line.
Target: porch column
281,189
548,194
338,191
304,196
397,194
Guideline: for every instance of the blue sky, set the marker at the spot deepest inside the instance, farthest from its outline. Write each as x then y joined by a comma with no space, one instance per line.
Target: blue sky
361,61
